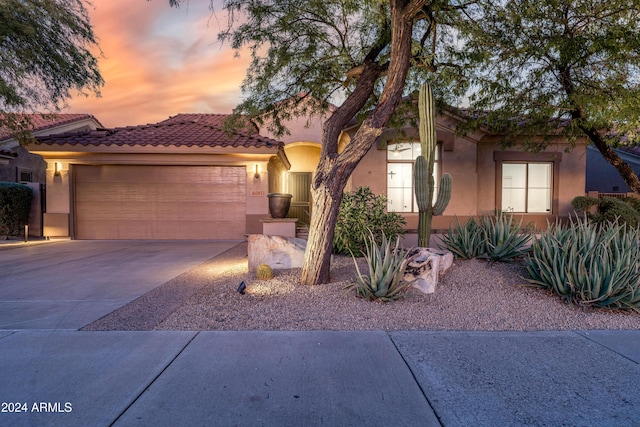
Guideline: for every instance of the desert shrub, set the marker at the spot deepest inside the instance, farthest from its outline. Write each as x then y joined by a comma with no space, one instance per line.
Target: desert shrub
464,241
15,205
588,263
386,270
633,202
618,210
582,204
362,211
494,237
625,210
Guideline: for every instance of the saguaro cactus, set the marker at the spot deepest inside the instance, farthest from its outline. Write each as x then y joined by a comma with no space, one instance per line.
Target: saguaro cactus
423,171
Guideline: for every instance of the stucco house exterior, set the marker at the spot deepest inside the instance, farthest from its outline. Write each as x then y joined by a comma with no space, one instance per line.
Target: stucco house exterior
182,178
17,164
538,187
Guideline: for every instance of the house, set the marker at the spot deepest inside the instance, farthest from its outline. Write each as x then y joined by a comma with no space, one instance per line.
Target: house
537,187
184,178
17,164
181,178
602,177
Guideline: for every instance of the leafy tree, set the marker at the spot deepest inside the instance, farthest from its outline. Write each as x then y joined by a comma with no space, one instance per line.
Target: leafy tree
543,67
44,54
305,54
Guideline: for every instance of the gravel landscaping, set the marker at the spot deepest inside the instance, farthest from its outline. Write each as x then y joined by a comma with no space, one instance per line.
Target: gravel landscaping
472,295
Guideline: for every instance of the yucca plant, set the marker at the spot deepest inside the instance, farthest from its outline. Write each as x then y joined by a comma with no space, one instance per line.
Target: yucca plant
464,241
504,240
588,263
386,270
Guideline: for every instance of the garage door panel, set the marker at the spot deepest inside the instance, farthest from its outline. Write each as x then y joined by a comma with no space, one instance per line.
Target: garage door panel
144,230
159,202
147,192
185,211
153,174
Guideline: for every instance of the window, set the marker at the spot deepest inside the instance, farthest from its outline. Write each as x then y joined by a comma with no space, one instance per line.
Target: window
526,187
24,175
527,182
400,163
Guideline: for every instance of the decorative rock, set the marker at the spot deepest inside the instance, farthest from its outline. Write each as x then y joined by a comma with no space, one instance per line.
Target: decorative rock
276,251
425,265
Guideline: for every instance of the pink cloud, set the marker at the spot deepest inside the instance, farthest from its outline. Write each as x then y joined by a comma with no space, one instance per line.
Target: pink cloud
159,62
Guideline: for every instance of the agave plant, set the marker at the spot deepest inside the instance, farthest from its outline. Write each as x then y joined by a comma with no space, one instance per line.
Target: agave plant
464,241
386,269
504,239
588,263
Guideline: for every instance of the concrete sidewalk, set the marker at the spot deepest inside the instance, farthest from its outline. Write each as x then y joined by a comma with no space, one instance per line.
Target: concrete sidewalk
319,378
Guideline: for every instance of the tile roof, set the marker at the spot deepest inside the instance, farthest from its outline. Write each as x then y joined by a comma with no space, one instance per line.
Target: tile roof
39,123
209,119
202,130
634,150
5,153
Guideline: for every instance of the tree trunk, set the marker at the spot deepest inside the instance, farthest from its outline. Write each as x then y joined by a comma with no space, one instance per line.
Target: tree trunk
334,168
321,231
625,171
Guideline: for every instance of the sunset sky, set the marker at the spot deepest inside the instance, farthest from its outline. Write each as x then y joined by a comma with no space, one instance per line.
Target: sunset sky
159,61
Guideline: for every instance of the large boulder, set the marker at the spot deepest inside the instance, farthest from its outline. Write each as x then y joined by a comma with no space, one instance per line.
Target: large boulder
277,252
424,267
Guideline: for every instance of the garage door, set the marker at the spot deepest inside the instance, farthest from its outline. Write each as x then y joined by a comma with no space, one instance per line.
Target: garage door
159,202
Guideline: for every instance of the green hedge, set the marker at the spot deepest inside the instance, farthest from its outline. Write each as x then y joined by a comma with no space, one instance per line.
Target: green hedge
15,204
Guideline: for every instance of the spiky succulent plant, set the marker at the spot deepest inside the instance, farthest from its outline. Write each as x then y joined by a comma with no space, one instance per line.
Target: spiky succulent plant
423,171
264,272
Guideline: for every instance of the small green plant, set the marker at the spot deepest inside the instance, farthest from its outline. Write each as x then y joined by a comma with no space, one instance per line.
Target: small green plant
464,241
264,272
589,263
386,270
504,240
362,211
15,205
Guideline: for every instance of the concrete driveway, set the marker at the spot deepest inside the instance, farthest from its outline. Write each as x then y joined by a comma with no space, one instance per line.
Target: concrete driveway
69,284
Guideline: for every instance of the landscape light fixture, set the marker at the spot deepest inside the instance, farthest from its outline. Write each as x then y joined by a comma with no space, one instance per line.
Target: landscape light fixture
242,287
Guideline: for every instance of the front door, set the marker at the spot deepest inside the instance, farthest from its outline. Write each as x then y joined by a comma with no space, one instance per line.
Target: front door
299,185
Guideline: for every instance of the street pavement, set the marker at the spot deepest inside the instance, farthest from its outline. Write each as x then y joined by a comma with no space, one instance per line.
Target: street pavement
52,374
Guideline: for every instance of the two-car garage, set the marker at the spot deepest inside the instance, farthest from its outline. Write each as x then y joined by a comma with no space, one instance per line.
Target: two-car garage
182,178
158,202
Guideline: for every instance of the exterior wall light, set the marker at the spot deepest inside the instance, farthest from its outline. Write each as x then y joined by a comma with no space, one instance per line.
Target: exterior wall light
257,174
57,168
